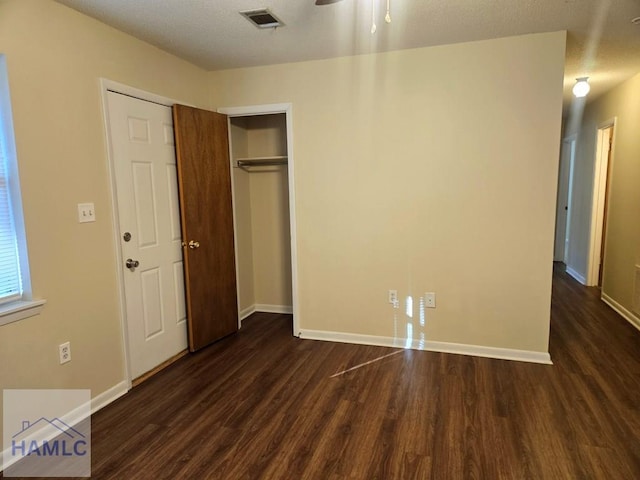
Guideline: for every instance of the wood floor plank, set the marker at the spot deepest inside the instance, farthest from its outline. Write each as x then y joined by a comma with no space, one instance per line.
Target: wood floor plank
265,405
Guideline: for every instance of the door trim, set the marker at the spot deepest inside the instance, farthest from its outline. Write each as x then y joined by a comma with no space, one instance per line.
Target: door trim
601,164
105,87
274,108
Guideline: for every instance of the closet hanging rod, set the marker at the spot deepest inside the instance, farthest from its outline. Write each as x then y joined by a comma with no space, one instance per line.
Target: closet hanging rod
265,162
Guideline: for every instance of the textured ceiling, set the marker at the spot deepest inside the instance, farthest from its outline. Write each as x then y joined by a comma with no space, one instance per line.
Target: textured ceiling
602,42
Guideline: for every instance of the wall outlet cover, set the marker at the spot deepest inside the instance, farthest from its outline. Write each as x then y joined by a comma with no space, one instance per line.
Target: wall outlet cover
393,297
64,350
430,300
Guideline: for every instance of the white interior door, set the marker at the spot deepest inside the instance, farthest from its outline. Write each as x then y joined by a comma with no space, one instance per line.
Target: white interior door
567,230
562,205
142,142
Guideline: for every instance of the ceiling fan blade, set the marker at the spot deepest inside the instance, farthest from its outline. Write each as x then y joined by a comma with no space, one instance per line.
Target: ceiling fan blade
326,2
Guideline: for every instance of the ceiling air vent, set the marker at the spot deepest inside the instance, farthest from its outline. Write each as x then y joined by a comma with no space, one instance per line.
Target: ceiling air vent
262,18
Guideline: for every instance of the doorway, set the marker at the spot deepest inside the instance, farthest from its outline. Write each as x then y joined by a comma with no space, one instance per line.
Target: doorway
601,183
264,209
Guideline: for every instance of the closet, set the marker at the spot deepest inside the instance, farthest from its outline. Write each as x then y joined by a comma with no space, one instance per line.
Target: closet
258,146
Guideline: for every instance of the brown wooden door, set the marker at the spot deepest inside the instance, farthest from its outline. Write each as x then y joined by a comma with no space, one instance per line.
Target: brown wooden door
204,185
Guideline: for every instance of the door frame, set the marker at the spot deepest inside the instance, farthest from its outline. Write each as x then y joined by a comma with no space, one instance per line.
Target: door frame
601,167
106,86
269,109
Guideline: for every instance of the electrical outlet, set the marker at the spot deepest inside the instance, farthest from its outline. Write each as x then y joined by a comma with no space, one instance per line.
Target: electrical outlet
393,297
65,352
430,300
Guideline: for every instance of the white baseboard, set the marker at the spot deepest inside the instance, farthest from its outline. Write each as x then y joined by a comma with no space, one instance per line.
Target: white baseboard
244,313
443,347
74,417
629,316
261,307
576,275
108,396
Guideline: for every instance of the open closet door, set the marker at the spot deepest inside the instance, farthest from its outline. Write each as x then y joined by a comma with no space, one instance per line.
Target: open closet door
204,184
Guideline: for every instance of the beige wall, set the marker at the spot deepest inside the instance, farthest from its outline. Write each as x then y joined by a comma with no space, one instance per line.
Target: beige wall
423,170
55,58
622,251
271,239
242,217
270,213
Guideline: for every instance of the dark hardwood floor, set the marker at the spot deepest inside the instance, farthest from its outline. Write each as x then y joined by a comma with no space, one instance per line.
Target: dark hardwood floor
262,404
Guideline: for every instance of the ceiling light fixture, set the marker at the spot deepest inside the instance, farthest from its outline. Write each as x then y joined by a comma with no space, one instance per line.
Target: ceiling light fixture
374,27
387,17
582,87
373,17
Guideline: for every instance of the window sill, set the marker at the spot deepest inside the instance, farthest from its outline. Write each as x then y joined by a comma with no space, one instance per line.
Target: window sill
19,310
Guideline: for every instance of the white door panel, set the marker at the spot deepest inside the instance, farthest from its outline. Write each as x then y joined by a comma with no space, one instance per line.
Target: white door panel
147,196
562,204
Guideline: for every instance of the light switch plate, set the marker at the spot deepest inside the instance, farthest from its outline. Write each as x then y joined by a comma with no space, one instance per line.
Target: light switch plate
86,212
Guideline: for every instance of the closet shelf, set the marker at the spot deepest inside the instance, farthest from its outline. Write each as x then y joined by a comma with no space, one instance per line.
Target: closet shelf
249,162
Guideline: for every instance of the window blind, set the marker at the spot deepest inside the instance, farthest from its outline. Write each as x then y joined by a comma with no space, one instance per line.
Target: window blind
10,281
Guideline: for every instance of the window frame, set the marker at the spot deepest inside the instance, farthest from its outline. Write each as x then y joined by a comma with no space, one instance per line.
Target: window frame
24,306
